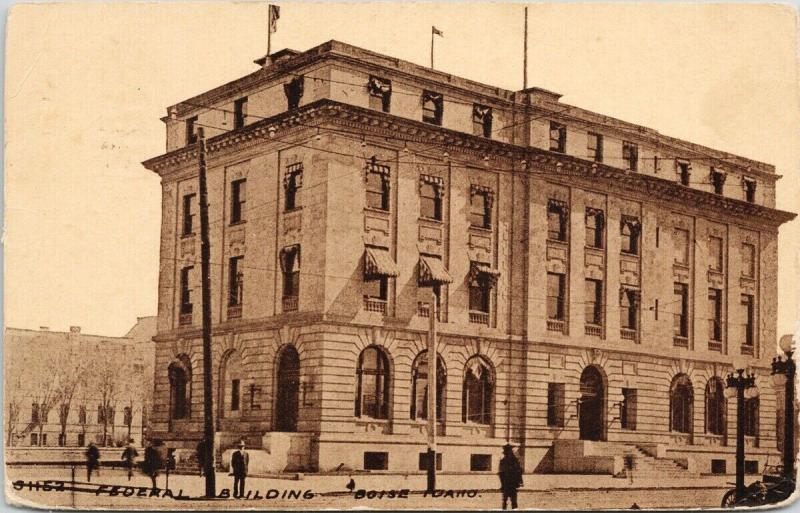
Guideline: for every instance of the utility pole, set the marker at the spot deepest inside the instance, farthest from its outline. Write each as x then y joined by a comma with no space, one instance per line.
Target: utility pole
433,361
525,54
205,256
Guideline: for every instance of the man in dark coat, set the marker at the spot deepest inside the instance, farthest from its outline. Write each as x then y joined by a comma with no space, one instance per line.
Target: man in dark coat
239,461
510,476
152,462
92,460
201,455
129,456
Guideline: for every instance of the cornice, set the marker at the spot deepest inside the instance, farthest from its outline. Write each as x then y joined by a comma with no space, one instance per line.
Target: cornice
537,161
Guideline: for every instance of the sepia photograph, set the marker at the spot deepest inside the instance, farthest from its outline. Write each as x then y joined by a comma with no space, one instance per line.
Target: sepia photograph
236,233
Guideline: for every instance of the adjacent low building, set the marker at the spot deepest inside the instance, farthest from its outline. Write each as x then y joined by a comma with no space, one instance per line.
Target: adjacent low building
596,280
70,388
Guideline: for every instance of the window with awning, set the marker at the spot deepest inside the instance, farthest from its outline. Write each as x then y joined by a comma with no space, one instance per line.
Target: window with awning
378,262
432,271
484,273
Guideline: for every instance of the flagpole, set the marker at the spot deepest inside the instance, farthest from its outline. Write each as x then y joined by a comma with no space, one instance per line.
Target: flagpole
269,30
432,33
525,54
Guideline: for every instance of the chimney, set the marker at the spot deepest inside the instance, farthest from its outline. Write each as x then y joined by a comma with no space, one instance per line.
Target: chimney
44,328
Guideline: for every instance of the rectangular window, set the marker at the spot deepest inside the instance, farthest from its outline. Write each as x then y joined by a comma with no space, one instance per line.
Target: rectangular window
629,311
555,404
188,215
718,180
627,409
81,439
751,416
630,227
748,260
35,439
377,185
715,314
684,172
292,183
239,112
751,467
748,314
479,295
482,120
558,137
82,415
594,302
432,107
424,461
749,190
430,197
186,291
380,94
294,92
35,413
595,147
235,280
234,395
681,305
718,467
101,414
557,220
238,199
715,246
630,154
681,246
376,461
480,206
480,462
376,287
290,265
555,296
191,131
594,227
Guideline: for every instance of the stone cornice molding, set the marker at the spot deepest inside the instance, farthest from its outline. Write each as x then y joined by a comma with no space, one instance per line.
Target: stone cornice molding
531,160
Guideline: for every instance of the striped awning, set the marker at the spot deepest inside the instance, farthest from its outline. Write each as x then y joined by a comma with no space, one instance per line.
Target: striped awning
482,270
432,271
378,262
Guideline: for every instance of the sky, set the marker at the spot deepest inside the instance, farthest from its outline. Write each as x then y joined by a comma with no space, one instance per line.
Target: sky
86,85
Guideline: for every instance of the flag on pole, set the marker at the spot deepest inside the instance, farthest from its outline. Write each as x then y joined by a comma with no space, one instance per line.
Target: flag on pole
274,14
437,31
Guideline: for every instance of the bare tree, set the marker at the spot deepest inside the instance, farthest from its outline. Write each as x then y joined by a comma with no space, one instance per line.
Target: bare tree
111,372
45,395
71,377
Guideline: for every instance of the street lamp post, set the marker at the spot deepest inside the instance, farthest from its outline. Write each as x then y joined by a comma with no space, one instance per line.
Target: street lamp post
783,374
744,387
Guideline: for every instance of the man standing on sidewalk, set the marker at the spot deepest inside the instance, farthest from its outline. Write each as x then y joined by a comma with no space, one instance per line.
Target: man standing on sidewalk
239,461
129,456
92,460
510,476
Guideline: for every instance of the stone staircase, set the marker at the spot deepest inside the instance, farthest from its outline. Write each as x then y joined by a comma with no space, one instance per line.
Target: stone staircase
646,464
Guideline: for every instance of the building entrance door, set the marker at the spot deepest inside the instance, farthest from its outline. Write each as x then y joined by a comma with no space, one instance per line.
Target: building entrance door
591,406
288,390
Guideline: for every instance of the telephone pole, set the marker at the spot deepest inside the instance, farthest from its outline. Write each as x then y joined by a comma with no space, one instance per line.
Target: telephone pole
205,256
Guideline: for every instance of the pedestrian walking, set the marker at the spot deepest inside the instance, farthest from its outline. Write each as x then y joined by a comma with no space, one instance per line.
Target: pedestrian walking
630,464
239,462
129,456
152,462
92,460
510,476
201,455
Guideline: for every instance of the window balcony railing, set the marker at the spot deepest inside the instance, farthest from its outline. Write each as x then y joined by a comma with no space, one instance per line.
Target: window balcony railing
424,310
476,317
595,330
627,334
556,325
679,341
289,303
747,349
715,345
234,312
185,319
375,305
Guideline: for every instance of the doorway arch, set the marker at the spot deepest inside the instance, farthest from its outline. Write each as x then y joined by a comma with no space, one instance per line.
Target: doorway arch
591,405
288,388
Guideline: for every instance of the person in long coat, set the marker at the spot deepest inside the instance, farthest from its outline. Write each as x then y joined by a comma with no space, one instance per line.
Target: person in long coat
510,476
152,463
239,462
92,460
201,455
129,456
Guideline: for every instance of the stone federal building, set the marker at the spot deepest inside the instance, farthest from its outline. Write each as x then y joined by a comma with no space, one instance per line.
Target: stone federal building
66,389
596,279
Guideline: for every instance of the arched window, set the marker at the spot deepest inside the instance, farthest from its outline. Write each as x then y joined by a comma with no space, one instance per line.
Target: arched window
288,390
476,404
230,383
372,375
751,416
715,407
681,399
180,385
419,387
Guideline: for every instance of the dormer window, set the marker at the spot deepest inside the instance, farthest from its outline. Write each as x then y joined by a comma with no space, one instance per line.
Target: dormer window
432,107
191,131
380,94
630,154
749,186
558,137
718,180
482,120
294,91
684,169
239,112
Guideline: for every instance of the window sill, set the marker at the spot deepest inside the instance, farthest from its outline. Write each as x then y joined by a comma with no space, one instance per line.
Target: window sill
430,220
679,341
188,235
593,249
557,241
629,255
432,121
377,211
682,265
370,420
747,350
293,210
238,223
480,228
